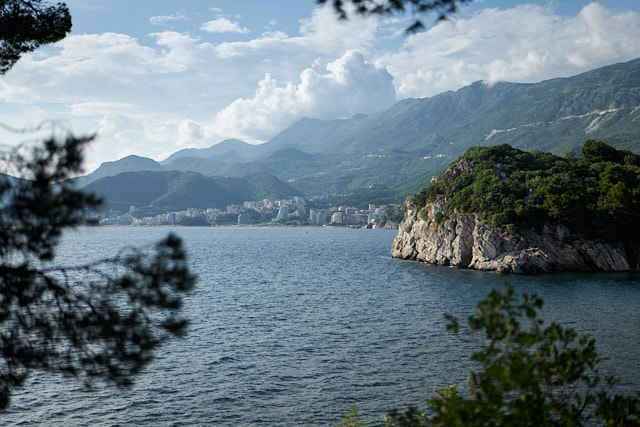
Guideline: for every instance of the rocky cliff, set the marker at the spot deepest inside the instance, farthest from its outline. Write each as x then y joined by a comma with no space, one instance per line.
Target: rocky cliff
464,240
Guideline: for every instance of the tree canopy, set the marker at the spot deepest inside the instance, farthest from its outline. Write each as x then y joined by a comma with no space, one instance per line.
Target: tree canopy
98,321
443,8
101,320
597,195
25,25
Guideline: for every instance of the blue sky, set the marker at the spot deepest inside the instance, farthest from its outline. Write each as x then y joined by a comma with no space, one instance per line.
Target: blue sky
152,77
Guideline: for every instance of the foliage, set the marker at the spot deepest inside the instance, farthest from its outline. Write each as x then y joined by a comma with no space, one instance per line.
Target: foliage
444,8
351,419
98,321
194,221
227,219
598,194
27,24
529,375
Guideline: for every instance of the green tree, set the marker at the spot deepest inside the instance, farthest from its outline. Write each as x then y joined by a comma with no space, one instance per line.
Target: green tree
99,321
443,8
25,25
596,151
597,196
529,375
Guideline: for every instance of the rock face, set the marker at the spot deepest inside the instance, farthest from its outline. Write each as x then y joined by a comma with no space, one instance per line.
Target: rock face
463,240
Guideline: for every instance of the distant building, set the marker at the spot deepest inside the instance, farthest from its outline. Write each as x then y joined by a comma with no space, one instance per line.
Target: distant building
234,209
300,206
317,216
244,218
338,218
283,213
360,218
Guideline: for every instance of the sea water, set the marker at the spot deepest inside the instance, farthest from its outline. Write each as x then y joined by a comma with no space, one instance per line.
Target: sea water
294,326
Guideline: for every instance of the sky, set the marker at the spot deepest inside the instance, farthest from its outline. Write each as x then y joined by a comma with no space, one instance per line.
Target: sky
153,77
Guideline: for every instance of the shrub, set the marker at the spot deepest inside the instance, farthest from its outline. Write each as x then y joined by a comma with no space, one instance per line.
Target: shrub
529,375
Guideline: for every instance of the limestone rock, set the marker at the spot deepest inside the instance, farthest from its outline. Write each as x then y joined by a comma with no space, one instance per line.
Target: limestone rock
463,240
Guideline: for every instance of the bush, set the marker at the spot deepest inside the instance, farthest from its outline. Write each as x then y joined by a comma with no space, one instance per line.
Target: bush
529,375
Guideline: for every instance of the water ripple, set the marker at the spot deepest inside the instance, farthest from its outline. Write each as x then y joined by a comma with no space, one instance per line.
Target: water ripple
291,328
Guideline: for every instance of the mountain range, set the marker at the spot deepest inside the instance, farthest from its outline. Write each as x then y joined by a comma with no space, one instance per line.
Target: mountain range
387,155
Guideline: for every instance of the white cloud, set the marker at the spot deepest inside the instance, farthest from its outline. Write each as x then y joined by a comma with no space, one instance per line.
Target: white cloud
84,109
527,43
156,93
153,98
182,52
351,86
321,35
107,67
190,133
163,20
223,25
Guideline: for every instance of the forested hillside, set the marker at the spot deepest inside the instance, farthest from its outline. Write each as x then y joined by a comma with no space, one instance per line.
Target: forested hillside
597,194
176,190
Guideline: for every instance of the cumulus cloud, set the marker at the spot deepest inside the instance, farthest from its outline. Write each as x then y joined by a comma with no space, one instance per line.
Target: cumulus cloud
352,85
320,35
108,67
223,25
164,20
138,94
158,92
527,43
190,133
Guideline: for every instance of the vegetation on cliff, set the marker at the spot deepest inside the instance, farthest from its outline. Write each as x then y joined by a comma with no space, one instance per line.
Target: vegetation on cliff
597,194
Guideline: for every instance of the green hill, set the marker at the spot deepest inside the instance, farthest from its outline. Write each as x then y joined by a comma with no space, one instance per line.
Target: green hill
126,164
193,190
597,195
177,190
227,151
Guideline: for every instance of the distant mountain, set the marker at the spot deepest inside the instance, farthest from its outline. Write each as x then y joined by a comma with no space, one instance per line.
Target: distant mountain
177,190
397,150
126,164
267,186
552,116
227,151
201,165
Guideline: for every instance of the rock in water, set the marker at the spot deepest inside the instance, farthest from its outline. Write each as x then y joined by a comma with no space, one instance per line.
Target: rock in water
464,240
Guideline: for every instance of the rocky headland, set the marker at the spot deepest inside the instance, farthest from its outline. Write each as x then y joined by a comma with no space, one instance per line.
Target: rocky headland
502,209
465,240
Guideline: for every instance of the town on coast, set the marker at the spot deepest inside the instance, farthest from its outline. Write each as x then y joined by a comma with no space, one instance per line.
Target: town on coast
297,211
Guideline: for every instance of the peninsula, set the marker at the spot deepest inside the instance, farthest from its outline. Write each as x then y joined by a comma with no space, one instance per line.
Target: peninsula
502,209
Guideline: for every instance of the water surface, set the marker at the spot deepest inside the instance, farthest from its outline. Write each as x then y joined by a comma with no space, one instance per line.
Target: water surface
294,326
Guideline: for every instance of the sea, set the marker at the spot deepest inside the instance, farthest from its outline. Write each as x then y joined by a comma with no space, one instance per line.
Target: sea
295,326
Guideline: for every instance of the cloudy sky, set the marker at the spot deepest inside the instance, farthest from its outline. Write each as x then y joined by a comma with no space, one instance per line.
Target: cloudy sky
152,77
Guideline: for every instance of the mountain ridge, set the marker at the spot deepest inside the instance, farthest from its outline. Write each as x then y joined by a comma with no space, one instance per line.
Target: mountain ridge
401,147
178,190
